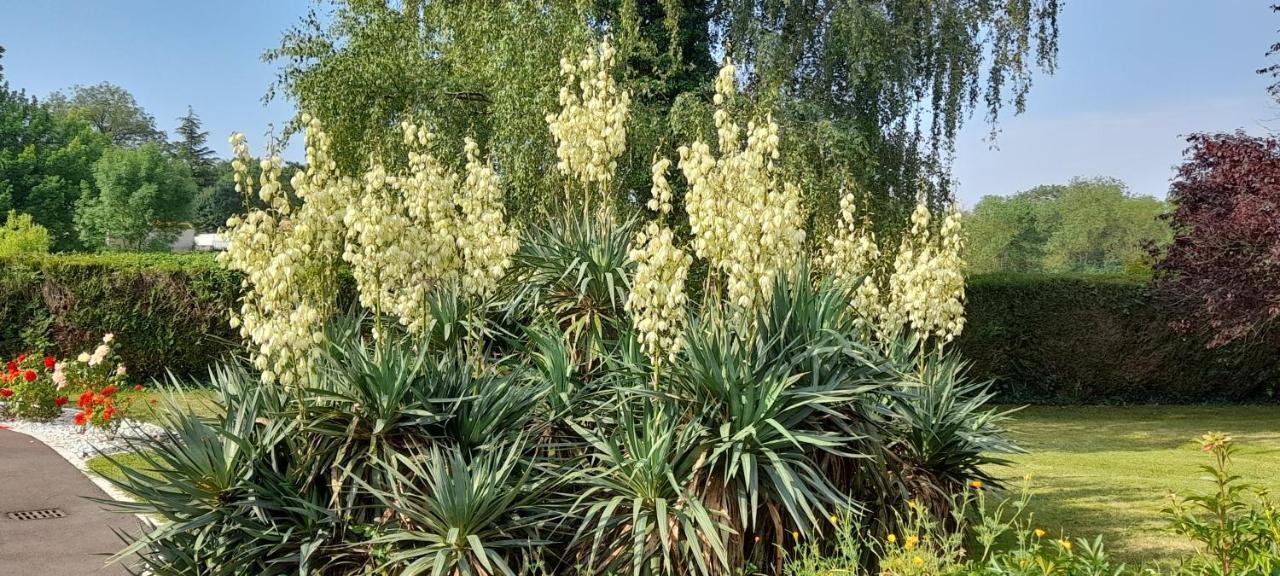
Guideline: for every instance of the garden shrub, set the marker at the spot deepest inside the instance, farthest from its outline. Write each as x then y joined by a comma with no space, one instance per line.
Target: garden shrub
168,311
1043,338
1101,339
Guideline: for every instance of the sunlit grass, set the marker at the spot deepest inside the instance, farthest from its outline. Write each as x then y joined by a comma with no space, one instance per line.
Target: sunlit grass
1110,470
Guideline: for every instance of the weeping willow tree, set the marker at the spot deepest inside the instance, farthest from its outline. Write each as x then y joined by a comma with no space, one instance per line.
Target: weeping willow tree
870,94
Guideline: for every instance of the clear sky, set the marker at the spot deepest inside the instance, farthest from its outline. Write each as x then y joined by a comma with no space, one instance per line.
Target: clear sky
1134,76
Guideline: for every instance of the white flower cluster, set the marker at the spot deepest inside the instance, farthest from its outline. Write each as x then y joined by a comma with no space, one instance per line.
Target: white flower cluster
485,242
657,299
746,222
853,256
287,256
401,233
591,128
927,284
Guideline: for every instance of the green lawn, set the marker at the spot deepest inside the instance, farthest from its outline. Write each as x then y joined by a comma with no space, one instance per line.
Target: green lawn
1110,470
197,400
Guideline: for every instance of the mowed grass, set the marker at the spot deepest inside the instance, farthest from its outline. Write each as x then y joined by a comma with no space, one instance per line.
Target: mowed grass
147,405
1110,470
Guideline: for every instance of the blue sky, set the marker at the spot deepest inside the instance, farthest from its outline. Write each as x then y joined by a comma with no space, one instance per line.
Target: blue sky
1134,76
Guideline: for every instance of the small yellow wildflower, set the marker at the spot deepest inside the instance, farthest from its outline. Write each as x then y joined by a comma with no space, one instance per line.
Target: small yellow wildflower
1214,440
976,484
912,541
795,534
1039,533
1066,544
892,539
835,521
918,561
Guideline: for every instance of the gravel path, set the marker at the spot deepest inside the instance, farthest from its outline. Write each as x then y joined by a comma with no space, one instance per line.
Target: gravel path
63,435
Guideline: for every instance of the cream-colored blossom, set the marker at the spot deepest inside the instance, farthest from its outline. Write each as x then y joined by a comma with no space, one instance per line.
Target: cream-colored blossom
747,222
927,283
287,254
485,242
657,299
591,127
853,258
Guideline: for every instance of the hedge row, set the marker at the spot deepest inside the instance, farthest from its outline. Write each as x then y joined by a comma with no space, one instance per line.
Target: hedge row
1085,339
1045,339
168,312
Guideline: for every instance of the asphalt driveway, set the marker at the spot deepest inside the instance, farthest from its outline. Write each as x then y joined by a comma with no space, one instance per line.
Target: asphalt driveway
34,478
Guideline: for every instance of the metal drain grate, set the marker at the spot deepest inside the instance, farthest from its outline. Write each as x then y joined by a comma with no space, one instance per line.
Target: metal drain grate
37,514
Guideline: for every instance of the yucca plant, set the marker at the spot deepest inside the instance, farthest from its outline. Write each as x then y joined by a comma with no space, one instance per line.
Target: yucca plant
225,491
942,434
575,273
363,407
777,394
463,513
635,507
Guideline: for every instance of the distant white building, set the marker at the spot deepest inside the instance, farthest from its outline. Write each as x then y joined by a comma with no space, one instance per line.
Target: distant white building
208,242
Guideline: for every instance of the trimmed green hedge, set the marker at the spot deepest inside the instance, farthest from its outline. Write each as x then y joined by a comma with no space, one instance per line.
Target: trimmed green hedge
1044,338
168,311
1085,339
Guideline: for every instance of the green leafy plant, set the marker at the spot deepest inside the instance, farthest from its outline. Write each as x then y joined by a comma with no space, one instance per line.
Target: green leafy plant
1236,526
21,235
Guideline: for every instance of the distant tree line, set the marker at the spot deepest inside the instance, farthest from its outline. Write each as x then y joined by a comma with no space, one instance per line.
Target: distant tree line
91,168
1086,225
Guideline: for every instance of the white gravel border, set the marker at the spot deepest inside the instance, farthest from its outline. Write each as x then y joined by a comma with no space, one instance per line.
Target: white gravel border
78,447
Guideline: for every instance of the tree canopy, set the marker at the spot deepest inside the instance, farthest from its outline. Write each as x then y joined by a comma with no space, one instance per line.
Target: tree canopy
46,161
1087,225
110,110
143,196
192,147
1223,267
870,93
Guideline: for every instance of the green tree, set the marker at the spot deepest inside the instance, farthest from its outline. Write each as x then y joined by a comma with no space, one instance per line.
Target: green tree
21,235
217,202
870,93
143,198
46,161
191,147
110,110
1087,225
1002,236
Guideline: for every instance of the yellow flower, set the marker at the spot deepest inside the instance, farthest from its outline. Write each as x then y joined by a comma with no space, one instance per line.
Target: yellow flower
795,534
976,484
1066,544
891,538
918,561
911,542
1039,533
835,521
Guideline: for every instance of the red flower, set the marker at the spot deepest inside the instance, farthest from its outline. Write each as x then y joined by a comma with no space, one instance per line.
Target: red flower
22,357
6,392
82,418
137,387
109,390
60,401
50,362
30,375
13,367
86,398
